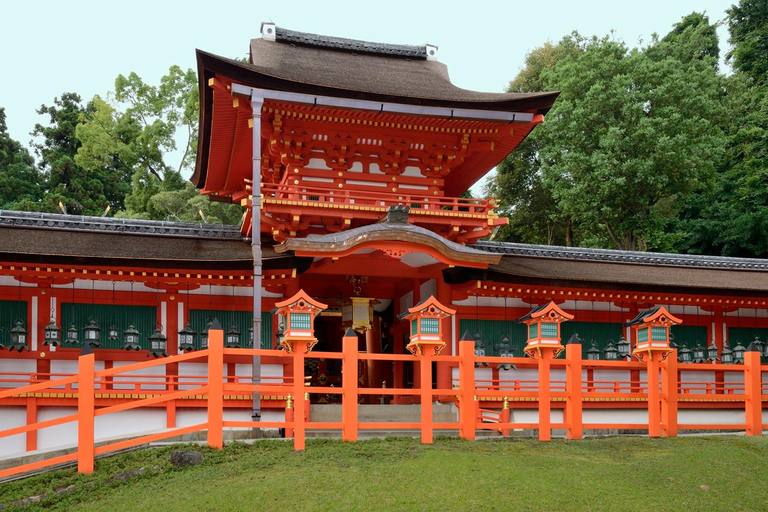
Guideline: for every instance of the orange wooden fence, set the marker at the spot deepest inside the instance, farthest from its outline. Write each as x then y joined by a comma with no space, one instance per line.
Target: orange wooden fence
662,391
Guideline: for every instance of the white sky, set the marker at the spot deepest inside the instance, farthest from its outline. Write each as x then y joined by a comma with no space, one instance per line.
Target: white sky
51,47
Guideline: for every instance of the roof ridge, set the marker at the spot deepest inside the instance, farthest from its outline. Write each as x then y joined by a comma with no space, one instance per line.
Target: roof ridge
350,45
614,255
117,225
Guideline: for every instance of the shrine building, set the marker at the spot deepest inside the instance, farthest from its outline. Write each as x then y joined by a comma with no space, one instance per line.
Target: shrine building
349,159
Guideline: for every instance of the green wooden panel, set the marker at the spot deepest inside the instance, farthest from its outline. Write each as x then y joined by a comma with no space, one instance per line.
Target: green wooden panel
601,332
658,333
642,335
144,318
745,335
301,321
549,330
689,335
493,331
10,311
533,331
243,321
414,327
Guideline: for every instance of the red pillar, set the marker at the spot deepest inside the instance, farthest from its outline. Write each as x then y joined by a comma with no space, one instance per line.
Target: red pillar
753,391
573,383
545,404
216,386
349,387
85,410
467,403
669,387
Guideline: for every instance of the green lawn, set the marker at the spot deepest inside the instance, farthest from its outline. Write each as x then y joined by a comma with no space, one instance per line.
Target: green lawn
691,474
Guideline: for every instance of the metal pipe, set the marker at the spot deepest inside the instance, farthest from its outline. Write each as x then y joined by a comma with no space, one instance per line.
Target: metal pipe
257,101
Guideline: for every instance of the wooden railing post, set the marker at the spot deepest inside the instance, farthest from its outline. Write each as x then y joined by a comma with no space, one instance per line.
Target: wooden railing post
545,395
573,387
467,405
216,385
289,415
654,405
669,389
425,372
349,387
753,391
505,416
85,409
299,404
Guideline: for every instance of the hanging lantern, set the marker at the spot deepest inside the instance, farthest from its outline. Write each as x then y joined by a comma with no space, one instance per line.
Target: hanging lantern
204,335
684,355
187,338
250,336
18,337
758,344
504,350
280,334
624,348
765,349
114,335
738,353
52,332
157,344
72,335
92,333
726,356
232,337
712,352
593,354
131,338
611,352
699,353
480,345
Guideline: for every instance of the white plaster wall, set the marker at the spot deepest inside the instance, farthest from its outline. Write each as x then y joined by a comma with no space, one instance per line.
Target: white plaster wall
12,417
198,372
9,366
126,423
605,377
188,417
734,378
523,415
697,377
60,435
715,416
267,370
144,375
614,416
557,376
483,377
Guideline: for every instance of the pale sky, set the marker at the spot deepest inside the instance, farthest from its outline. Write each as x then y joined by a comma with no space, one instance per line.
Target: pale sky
52,47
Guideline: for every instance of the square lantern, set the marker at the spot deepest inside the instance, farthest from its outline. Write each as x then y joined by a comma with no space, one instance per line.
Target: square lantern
158,343
504,350
72,335
611,352
738,353
426,336
92,333
113,335
712,352
357,314
299,312
652,330
624,348
52,332
544,328
131,338
726,356
18,337
684,354
204,335
232,337
250,337
593,354
187,338
699,353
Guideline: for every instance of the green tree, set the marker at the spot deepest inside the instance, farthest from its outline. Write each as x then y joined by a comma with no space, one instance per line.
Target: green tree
632,131
80,190
732,219
748,27
19,178
133,132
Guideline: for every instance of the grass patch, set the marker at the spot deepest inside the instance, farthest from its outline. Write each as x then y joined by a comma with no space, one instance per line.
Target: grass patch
702,473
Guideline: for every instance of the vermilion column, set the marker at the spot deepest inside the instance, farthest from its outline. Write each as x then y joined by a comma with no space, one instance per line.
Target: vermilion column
85,410
467,404
753,391
573,383
349,406
669,383
545,396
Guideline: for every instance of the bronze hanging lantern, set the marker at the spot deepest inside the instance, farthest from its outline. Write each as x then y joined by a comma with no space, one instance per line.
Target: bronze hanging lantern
72,335
18,337
684,354
699,353
593,354
92,333
611,352
52,331
232,337
131,338
204,335
712,352
738,353
158,343
187,338
726,356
